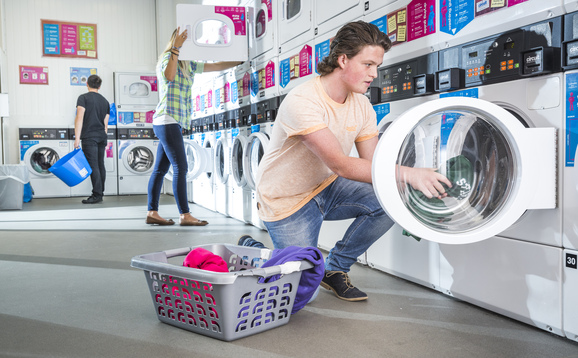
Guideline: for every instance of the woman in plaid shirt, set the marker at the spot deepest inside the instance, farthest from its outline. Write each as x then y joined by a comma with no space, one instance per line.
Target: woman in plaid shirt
172,115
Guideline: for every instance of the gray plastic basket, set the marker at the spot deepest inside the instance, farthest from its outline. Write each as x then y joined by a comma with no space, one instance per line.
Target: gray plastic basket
221,305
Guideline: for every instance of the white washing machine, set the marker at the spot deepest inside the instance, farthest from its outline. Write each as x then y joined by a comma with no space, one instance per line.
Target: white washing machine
508,221
137,149
203,185
239,191
261,123
261,26
110,163
221,163
40,148
401,87
570,175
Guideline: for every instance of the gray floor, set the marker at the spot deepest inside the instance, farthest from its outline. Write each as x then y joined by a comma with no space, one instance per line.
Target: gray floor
67,290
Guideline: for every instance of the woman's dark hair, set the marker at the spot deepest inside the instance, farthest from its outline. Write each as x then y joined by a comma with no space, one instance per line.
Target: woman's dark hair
94,81
350,40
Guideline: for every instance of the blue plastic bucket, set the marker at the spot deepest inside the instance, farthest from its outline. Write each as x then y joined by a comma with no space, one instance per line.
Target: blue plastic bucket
72,169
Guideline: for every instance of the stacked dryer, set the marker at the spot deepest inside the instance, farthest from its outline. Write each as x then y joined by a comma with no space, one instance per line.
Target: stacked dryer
570,173
136,97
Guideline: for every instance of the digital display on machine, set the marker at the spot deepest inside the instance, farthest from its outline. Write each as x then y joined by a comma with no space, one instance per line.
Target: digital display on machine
473,54
509,45
408,71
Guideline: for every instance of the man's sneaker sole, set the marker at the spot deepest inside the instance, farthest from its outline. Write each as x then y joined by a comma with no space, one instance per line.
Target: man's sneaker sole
327,287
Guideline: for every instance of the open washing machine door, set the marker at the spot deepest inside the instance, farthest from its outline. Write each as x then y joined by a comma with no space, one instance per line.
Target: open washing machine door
255,148
498,169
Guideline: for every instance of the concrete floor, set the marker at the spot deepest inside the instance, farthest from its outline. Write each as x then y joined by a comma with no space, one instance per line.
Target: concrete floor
67,290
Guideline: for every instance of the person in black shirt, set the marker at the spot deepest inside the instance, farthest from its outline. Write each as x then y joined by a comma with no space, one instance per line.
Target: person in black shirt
91,126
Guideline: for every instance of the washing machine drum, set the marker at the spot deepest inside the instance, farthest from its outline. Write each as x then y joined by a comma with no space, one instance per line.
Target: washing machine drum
42,159
140,159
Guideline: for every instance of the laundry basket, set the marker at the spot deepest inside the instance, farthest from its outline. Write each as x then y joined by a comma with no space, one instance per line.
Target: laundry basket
72,169
223,305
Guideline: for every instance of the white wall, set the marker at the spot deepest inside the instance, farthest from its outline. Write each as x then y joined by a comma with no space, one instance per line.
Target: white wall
126,40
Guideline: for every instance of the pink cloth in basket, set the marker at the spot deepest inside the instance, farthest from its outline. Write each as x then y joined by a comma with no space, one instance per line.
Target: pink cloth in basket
205,260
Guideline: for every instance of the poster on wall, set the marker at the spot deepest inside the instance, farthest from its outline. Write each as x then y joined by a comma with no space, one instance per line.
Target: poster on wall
33,75
79,75
68,39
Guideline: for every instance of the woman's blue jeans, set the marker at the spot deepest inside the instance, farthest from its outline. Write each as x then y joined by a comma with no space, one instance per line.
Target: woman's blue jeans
171,151
343,199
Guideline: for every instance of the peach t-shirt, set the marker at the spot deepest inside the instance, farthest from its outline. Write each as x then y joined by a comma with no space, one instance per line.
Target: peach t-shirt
289,174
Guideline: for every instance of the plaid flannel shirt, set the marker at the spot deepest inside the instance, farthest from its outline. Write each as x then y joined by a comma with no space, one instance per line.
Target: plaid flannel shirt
175,98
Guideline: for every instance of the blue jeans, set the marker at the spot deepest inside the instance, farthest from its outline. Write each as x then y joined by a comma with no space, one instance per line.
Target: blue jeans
94,149
343,199
171,151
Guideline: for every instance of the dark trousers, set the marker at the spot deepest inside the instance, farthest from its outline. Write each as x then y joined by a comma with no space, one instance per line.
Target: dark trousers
94,151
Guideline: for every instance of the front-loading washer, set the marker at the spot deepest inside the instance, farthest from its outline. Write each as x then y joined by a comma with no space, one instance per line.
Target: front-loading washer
499,235
261,122
239,191
203,190
110,163
137,148
221,163
40,148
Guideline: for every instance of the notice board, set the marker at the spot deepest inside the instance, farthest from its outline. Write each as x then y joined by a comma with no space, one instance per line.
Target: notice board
69,39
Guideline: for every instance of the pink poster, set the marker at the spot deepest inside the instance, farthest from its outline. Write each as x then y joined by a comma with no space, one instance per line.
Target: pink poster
237,15
33,75
69,39
245,85
152,80
420,19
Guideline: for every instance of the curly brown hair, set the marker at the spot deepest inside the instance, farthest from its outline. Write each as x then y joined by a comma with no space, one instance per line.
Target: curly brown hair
350,40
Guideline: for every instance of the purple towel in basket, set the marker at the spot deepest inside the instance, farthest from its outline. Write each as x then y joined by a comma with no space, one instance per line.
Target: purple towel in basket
310,279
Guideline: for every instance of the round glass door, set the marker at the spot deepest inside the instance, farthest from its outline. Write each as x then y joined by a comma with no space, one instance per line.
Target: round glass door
221,162
42,159
237,155
255,149
140,160
481,149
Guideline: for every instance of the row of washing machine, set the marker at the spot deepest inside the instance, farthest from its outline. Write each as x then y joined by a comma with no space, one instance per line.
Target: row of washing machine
129,160
224,151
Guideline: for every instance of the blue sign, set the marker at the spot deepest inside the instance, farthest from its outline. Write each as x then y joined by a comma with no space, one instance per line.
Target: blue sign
381,24
381,110
285,72
571,103
472,93
321,51
254,83
234,132
234,92
51,39
456,14
255,128
125,117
